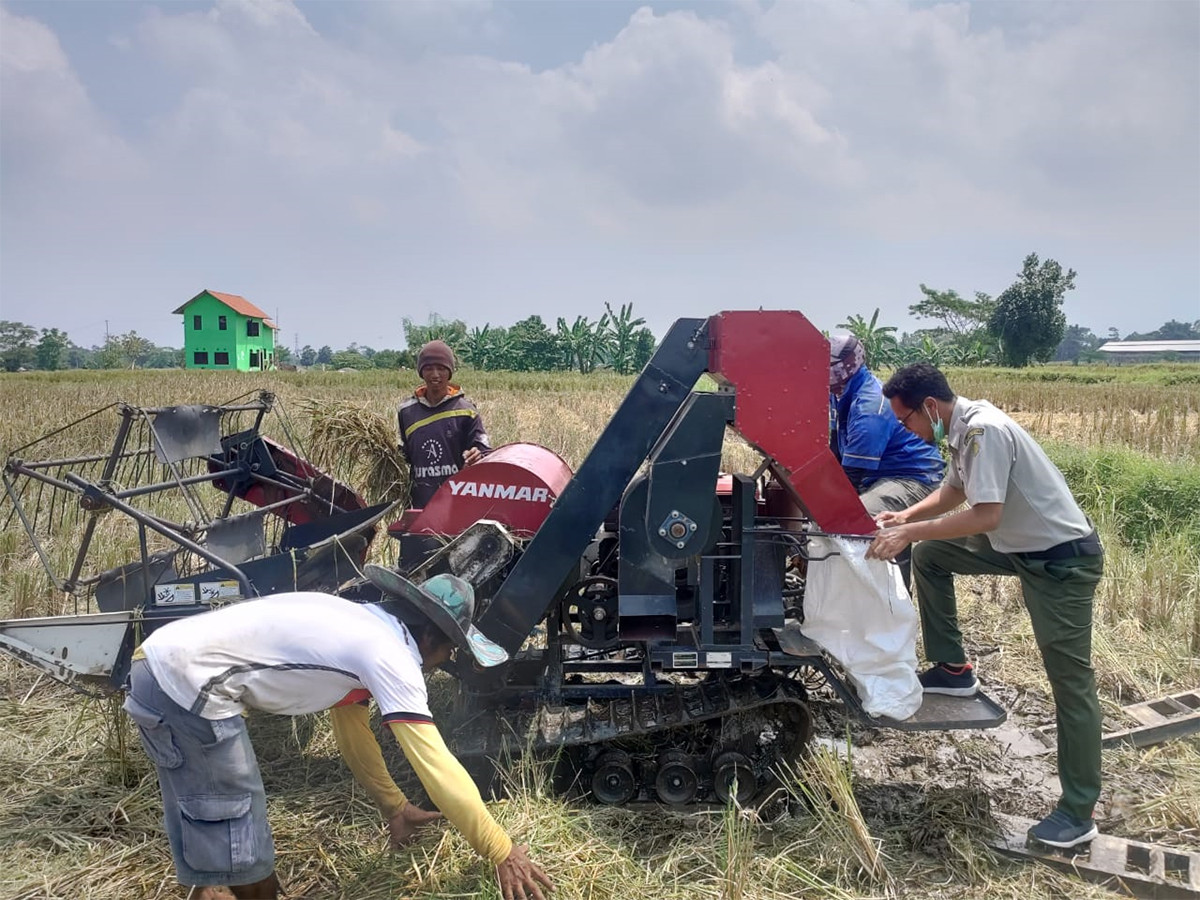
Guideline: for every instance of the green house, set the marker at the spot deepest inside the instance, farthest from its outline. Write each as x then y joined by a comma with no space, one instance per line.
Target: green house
225,331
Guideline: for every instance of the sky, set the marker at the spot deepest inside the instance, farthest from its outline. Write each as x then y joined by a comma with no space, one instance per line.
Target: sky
345,166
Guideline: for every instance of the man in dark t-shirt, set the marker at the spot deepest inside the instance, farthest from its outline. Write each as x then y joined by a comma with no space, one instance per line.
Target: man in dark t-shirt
441,431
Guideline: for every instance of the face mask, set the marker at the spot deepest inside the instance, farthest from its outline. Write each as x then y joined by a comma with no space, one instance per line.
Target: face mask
939,430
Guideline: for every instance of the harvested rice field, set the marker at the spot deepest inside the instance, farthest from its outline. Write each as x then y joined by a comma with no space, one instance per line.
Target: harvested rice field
907,815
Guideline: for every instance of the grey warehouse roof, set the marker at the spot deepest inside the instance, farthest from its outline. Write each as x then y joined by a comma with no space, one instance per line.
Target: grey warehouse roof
1150,347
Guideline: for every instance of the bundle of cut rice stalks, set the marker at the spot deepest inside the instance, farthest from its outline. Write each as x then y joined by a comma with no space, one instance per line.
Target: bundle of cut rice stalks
359,447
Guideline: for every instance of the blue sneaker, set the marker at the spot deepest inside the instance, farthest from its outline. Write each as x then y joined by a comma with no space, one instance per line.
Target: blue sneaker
1061,829
954,681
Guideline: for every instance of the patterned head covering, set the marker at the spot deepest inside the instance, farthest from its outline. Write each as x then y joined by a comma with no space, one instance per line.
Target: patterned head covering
846,357
445,600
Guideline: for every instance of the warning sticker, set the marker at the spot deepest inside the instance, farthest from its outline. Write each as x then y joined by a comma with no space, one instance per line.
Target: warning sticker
219,590
174,594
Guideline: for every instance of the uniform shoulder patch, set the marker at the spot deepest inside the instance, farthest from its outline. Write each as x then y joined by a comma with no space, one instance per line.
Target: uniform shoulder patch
970,442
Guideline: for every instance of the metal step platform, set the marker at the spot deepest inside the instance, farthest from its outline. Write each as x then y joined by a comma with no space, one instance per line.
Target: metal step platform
938,712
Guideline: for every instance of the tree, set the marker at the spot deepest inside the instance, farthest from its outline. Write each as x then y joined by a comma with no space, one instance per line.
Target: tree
81,358
121,350
879,341
51,350
350,359
325,355
535,347
583,344
1028,320
391,359
930,351
486,348
308,356
134,348
1178,331
959,317
162,358
643,348
438,329
622,327
283,354
1076,341
16,346
1170,331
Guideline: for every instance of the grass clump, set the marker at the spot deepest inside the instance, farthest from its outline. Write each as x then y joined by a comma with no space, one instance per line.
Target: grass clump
823,785
360,447
1143,497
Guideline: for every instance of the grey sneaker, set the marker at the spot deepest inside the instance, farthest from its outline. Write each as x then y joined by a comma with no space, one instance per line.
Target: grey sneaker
957,681
1061,829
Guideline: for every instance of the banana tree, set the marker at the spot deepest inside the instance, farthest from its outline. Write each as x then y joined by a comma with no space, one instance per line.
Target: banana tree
879,341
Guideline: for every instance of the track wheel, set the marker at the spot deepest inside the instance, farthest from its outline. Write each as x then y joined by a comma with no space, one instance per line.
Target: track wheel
613,782
732,769
676,782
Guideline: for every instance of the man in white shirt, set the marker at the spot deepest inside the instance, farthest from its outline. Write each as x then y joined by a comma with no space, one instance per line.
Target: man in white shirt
297,653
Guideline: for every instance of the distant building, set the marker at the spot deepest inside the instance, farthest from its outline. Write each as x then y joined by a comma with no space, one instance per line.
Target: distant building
1151,351
225,331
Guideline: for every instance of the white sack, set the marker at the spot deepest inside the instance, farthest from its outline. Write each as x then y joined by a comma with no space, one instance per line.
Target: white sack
859,611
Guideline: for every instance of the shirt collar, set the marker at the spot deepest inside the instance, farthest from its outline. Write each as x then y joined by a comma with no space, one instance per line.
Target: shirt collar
419,393
855,382
958,424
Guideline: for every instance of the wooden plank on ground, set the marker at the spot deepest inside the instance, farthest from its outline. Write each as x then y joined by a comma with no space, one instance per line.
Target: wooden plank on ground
1132,867
1164,719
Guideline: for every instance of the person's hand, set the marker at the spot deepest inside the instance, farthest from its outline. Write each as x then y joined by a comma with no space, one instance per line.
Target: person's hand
472,455
889,517
403,826
888,543
519,876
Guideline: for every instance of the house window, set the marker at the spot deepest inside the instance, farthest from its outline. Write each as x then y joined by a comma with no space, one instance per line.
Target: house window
200,357
254,359
221,324
195,323
251,328
221,358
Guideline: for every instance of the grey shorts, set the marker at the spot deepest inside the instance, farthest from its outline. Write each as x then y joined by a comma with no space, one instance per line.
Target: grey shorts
214,805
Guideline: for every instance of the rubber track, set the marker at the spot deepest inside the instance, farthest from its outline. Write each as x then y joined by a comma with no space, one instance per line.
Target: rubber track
551,727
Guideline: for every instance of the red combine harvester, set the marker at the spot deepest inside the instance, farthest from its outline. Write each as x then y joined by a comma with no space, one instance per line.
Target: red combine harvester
652,608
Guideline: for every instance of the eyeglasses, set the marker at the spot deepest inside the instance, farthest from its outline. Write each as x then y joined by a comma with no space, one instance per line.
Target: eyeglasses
905,418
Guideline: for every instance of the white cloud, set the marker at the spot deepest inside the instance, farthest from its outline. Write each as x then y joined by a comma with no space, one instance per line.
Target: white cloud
1061,120
50,129
372,131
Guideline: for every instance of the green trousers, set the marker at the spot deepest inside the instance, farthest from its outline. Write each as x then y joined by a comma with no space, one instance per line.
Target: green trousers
1059,596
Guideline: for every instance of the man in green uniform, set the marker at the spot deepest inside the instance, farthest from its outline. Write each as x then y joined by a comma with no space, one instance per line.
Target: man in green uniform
1021,520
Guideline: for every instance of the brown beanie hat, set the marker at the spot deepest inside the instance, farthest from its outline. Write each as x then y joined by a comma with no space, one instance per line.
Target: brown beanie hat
436,353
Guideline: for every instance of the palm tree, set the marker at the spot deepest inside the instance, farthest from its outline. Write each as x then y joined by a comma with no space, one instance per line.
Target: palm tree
475,346
621,332
879,341
583,343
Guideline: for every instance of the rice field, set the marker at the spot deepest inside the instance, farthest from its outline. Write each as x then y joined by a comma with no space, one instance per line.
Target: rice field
79,815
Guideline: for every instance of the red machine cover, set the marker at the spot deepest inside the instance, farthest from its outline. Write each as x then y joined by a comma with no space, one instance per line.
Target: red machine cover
514,485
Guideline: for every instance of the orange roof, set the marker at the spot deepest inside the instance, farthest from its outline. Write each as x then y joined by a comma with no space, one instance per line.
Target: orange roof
233,301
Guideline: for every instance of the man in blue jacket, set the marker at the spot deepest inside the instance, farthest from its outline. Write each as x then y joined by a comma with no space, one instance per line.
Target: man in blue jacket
890,467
